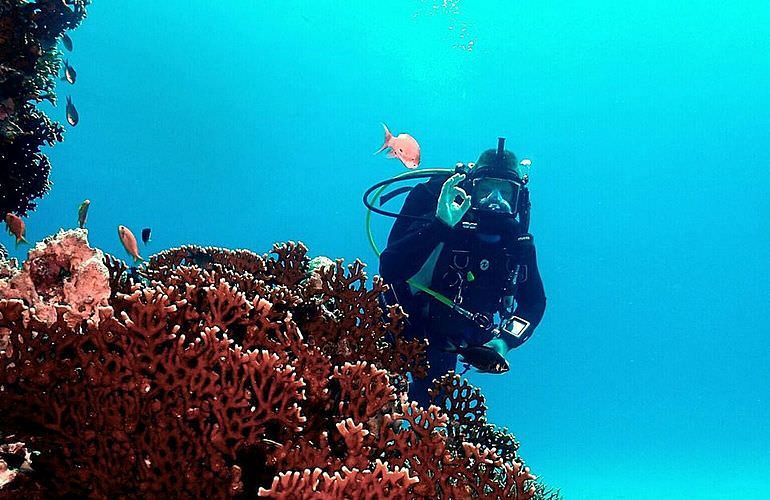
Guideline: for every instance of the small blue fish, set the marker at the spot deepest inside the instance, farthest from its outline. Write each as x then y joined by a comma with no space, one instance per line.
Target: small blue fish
70,75
134,274
72,113
200,258
67,42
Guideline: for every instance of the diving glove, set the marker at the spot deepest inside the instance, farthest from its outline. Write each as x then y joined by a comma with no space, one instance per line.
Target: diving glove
508,336
448,210
499,346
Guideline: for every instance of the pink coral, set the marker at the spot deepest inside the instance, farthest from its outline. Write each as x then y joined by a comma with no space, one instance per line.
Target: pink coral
61,272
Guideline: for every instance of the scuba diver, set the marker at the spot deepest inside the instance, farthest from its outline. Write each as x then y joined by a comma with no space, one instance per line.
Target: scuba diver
461,263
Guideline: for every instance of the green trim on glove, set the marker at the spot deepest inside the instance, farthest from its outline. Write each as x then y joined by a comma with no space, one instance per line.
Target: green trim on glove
499,346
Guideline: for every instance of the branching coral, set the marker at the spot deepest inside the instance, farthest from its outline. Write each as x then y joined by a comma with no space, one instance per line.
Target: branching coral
29,64
219,373
380,482
467,410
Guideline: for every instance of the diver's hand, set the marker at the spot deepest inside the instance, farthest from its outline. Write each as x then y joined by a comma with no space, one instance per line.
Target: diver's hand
448,211
504,341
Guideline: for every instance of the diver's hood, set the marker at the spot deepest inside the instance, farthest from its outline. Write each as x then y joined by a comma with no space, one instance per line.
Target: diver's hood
498,164
492,164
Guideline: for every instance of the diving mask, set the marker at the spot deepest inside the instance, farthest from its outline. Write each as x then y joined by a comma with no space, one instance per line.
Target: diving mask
495,194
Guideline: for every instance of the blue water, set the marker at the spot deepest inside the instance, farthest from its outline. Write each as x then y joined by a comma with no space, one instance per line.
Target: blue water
242,123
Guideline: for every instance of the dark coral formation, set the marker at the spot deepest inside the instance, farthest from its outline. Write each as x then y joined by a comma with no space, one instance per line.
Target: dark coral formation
29,64
219,373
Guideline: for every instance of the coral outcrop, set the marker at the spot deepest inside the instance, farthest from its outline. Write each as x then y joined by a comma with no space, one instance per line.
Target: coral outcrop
214,373
62,274
29,64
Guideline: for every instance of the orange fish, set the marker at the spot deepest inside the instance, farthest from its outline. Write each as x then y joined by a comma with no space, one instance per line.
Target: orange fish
129,242
404,147
16,227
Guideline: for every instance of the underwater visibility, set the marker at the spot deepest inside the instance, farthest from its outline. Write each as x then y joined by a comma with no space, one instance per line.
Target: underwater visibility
414,249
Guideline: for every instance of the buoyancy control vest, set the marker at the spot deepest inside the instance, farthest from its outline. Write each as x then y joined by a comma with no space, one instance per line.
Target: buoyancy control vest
477,273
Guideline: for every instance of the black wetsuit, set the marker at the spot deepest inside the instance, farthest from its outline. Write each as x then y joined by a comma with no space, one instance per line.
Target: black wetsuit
492,260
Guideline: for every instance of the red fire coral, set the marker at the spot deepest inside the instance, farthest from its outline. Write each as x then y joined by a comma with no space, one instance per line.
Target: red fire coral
218,373
380,482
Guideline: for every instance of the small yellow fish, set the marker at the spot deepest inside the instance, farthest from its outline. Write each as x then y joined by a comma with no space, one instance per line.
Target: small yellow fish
83,213
128,240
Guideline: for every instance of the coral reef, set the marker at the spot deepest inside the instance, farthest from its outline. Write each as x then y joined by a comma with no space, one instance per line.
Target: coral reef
29,64
224,373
